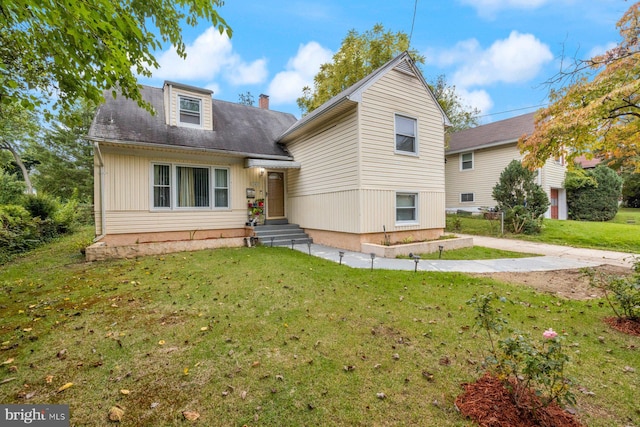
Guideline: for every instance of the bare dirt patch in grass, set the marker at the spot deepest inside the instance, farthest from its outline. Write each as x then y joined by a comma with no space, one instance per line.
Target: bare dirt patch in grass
570,284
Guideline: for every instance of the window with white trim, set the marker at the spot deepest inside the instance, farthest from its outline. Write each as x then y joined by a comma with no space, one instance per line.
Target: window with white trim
190,110
466,161
406,135
182,186
467,197
406,207
161,186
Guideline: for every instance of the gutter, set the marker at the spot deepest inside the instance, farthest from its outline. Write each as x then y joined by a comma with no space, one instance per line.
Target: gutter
190,149
103,209
482,146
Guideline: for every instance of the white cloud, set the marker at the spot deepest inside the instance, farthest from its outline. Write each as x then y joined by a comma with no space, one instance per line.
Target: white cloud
488,8
210,57
479,99
253,73
287,85
518,58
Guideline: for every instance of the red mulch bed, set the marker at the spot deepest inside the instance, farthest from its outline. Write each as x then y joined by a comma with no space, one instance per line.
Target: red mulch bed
624,325
489,403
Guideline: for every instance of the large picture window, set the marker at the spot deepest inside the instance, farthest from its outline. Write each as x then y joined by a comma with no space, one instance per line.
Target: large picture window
192,187
178,186
190,110
406,138
406,207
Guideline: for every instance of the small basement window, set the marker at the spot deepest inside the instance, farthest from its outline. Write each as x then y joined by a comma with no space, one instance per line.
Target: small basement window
406,207
467,197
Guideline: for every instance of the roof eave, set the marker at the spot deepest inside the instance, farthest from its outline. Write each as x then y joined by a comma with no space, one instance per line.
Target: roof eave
228,153
481,147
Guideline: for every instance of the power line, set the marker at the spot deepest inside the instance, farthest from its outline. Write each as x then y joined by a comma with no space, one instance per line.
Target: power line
511,111
413,20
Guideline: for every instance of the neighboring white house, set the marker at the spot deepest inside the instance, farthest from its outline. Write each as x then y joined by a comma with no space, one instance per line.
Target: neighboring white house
476,157
368,160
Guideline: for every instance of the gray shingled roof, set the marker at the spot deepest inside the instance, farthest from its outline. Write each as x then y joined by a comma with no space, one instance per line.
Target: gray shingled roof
238,129
497,133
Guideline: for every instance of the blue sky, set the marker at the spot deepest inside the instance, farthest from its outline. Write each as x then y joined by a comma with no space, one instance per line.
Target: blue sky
497,53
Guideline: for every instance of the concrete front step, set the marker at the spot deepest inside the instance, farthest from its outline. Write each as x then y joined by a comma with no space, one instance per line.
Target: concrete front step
281,235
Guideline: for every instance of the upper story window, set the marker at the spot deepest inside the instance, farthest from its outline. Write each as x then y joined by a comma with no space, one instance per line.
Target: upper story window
190,110
406,135
466,161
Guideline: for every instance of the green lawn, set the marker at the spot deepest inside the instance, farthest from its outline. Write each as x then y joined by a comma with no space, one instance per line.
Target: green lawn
474,252
620,234
271,336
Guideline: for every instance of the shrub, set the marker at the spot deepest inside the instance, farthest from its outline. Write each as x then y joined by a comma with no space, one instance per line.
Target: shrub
631,191
522,200
41,219
18,231
592,195
40,206
524,365
66,218
11,189
625,290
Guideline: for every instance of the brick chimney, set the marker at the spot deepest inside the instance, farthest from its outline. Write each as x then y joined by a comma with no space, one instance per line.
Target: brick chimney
263,102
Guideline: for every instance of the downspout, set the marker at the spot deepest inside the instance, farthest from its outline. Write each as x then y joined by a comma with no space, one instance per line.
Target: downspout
103,209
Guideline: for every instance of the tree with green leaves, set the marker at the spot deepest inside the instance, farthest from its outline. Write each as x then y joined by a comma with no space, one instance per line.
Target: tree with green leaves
598,112
246,99
522,200
460,115
593,194
358,56
52,51
362,54
18,127
631,191
64,157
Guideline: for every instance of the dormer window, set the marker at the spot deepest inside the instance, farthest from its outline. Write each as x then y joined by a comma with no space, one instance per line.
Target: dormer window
190,111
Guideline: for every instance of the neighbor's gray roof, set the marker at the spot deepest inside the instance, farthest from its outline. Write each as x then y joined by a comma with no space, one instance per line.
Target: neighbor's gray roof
238,129
497,133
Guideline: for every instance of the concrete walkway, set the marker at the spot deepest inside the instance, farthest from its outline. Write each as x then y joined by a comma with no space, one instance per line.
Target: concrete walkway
555,258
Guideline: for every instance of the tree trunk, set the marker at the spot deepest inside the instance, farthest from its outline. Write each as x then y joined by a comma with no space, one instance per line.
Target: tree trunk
5,145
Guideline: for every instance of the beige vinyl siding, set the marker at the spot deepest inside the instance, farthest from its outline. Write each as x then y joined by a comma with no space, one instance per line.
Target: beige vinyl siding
171,94
334,211
329,158
379,209
322,194
129,209
350,172
552,175
363,211
402,94
487,166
